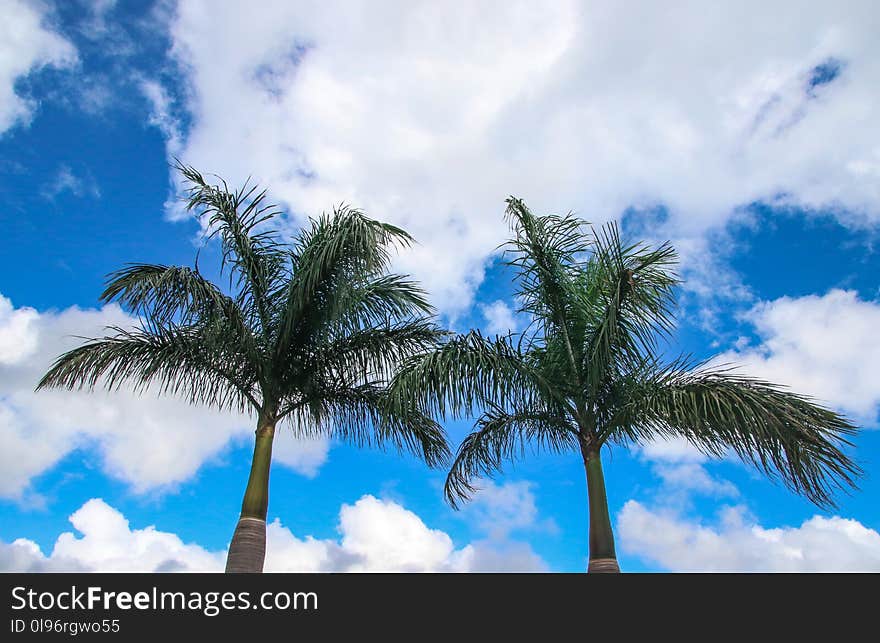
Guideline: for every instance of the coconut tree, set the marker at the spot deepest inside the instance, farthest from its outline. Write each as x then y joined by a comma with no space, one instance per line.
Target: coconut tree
309,336
586,374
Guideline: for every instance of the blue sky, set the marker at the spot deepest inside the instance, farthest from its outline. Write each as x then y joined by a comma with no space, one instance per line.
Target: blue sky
755,150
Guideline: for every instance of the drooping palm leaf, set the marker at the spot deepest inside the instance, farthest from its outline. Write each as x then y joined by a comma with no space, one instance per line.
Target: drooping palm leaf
787,436
191,361
501,436
464,374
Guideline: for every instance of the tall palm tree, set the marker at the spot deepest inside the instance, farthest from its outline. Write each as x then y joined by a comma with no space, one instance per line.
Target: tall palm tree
311,334
586,374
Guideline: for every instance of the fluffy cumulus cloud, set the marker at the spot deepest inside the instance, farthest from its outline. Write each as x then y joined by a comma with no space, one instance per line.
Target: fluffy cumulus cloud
737,543
148,441
500,318
823,346
429,114
27,43
106,542
375,535
18,334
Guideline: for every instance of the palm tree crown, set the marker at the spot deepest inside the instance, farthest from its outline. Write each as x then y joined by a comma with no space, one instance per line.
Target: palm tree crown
586,373
311,333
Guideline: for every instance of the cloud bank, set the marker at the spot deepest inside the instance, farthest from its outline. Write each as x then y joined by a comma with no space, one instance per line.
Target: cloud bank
374,535
738,544
429,114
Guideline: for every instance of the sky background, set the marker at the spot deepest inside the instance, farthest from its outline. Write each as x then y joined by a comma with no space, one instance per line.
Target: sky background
746,135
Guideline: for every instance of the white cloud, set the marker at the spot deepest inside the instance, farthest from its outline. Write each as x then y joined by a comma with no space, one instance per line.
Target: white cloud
672,450
681,468
688,478
108,543
382,535
23,555
66,180
707,277
375,535
301,456
18,335
501,508
500,318
385,535
161,115
148,441
738,544
683,473
822,346
429,114
26,44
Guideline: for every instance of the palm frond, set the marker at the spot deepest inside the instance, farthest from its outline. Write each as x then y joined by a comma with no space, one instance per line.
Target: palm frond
547,255
364,415
785,435
383,298
503,436
166,294
338,265
628,301
375,354
465,373
180,360
257,258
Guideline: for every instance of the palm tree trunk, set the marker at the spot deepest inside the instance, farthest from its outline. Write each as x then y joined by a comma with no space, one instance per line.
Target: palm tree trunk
247,551
603,559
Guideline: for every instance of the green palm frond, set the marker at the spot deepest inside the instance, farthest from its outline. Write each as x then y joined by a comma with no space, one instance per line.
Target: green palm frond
380,299
547,253
165,292
628,302
501,436
189,361
256,257
785,435
364,415
376,353
465,373
175,294
338,276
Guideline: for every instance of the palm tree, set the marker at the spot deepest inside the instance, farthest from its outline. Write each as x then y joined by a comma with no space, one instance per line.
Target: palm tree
585,374
311,334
